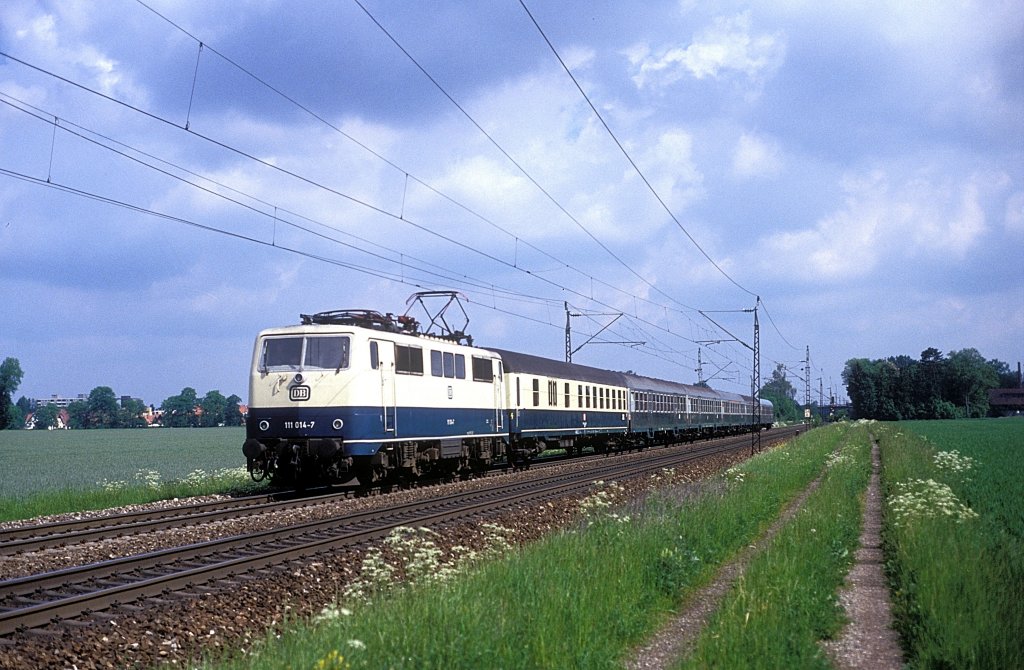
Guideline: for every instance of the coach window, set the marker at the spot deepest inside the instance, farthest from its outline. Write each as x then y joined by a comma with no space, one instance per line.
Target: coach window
552,393
408,360
536,392
586,395
436,367
568,395
519,400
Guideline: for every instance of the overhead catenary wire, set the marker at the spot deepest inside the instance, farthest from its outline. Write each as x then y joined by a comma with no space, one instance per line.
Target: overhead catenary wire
278,215
272,166
490,138
419,180
313,182
636,168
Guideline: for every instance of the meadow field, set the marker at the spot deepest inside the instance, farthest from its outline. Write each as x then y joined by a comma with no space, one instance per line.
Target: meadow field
46,460
54,471
954,533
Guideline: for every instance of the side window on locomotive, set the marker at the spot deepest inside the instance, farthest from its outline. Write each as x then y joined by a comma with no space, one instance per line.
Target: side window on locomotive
408,360
483,369
460,366
374,355
449,364
436,367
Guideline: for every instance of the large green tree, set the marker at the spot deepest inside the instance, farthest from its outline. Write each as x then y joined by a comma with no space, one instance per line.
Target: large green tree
101,408
968,379
935,387
214,406
782,394
10,379
130,414
46,417
180,410
233,413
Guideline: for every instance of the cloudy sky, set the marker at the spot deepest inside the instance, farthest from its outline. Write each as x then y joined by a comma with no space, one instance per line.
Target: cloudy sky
858,166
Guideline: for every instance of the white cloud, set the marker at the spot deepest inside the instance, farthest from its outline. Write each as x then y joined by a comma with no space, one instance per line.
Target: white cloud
756,157
670,168
726,46
1015,212
884,220
62,38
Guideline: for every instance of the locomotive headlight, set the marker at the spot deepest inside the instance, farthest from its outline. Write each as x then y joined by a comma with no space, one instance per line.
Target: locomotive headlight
264,425
338,424
298,377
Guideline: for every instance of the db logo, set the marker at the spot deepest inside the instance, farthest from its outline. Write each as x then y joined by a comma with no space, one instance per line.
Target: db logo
299,393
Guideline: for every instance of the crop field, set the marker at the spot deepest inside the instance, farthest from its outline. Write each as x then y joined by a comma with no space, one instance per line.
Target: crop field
35,462
955,540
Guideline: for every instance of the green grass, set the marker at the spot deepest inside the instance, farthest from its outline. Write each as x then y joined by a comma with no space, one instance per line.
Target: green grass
785,602
48,472
955,540
580,599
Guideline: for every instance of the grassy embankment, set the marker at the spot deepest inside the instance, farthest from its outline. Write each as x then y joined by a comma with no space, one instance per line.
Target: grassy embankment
785,602
954,534
580,599
50,472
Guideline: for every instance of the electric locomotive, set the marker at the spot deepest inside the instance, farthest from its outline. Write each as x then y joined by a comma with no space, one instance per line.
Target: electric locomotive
356,393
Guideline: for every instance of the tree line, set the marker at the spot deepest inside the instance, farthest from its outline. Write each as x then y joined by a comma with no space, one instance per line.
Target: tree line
953,386
102,409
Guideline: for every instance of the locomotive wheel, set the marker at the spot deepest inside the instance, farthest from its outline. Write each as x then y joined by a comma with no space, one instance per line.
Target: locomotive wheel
368,475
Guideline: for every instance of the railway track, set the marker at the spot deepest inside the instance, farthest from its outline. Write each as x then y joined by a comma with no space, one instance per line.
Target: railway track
37,600
64,533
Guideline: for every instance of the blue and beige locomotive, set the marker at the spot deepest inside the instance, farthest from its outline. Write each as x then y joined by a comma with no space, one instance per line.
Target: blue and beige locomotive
359,394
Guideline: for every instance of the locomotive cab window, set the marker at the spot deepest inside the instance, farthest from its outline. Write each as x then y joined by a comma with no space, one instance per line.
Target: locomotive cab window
326,353
286,354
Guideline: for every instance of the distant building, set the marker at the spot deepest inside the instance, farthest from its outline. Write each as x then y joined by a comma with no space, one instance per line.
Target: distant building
1006,402
57,400
63,421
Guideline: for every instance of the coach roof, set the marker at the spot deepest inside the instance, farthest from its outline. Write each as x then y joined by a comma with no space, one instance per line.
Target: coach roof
546,367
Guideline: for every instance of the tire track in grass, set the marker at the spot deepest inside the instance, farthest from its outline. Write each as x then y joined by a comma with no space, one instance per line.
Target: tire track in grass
869,640
677,637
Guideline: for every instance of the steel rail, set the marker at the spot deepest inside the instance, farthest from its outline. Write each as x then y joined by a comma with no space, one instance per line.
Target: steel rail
227,557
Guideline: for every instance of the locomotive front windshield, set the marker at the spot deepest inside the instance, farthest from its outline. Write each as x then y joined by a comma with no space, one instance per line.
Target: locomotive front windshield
284,354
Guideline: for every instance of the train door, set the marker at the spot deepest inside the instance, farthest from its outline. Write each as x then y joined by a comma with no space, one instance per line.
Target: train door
499,397
382,357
